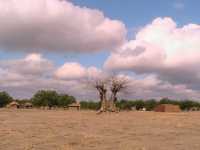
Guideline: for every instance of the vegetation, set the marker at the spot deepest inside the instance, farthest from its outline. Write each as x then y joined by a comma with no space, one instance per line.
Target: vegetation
113,85
5,98
92,105
51,99
185,105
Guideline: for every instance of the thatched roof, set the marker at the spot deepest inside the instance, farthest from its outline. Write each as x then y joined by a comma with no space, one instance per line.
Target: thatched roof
74,105
13,104
28,104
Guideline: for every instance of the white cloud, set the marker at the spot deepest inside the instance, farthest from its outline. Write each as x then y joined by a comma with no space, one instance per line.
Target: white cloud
55,25
70,78
31,65
163,49
70,71
74,71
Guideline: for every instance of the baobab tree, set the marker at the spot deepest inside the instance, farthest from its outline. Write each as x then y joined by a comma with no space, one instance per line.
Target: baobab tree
117,84
111,85
101,86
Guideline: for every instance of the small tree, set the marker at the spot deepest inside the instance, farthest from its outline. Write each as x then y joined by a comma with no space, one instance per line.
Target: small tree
65,100
45,98
150,104
5,98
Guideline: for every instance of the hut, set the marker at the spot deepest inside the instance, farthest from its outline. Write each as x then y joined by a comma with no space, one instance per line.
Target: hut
74,106
194,109
13,104
167,108
28,105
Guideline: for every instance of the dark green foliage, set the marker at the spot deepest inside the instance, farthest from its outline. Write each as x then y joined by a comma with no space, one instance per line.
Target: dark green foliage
23,101
139,104
125,105
90,105
5,99
187,105
150,104
169,101
51,99
65,100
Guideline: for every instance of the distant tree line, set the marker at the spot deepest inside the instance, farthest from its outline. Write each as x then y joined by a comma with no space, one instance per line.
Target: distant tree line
52,98
41,98
151,104
139,104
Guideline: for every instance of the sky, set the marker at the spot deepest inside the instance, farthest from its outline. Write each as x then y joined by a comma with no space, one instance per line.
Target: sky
57,44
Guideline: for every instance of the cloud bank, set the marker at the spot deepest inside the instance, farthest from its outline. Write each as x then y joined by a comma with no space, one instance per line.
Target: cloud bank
41,73
56,26
163,49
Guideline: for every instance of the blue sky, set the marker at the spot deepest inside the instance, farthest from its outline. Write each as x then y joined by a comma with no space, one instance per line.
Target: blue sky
136,13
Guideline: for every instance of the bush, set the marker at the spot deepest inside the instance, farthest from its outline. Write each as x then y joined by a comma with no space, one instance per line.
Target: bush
65,100
51,98
5,99
150,104
90,105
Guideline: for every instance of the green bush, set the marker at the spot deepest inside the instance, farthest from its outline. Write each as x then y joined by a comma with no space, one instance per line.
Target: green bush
92,105
5,99
51,99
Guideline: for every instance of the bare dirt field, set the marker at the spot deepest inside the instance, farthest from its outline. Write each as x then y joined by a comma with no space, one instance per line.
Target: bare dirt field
84,130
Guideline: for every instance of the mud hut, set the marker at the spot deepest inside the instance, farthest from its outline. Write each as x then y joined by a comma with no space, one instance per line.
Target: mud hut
74,106
194,109
167,108
13,104
28,105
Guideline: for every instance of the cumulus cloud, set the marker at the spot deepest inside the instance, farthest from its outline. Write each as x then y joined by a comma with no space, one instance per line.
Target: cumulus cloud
74,70
23,77
71,71
55,25
150,86
32,65
70,78
162,48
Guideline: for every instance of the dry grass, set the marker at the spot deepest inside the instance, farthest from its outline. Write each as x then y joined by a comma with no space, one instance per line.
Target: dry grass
84,130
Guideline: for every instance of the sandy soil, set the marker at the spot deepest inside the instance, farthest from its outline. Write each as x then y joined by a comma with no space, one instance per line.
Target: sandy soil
84,130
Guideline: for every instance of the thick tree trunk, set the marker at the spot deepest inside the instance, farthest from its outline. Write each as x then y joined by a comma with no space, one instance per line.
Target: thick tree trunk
112,103
104,103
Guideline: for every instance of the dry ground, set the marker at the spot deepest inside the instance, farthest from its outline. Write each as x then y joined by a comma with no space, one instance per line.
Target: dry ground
84,130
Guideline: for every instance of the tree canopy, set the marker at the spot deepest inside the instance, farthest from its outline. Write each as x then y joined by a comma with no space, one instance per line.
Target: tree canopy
51,98
5,98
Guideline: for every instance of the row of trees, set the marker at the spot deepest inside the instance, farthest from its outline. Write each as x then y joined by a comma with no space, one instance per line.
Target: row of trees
139,104
151,104
52,98
41,98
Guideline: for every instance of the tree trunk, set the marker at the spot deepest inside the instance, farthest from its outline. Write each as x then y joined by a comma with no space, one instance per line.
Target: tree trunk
104,103
112,103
